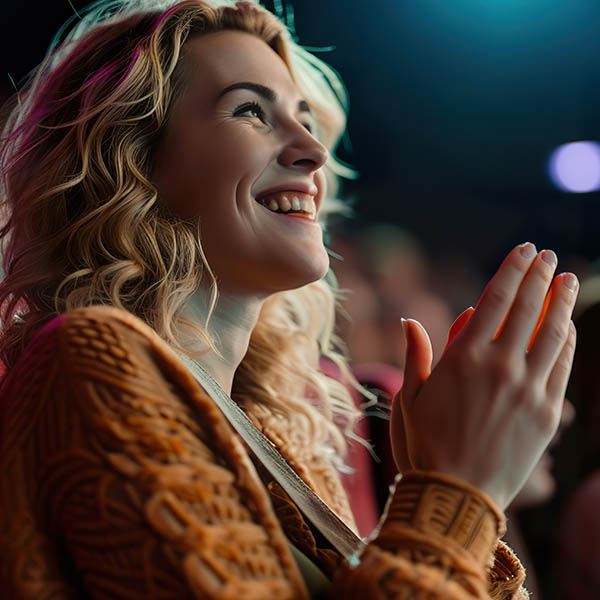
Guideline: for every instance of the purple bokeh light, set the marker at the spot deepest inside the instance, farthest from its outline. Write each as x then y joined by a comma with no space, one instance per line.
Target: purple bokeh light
575,167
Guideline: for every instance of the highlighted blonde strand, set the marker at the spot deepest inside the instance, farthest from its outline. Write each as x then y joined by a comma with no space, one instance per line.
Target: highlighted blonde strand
82,222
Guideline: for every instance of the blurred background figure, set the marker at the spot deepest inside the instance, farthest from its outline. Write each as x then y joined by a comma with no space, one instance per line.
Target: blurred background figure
360,318
387,277
578,557
361,328
537,491
400,274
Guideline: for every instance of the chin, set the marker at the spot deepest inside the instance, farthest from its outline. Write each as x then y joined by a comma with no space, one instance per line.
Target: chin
293,276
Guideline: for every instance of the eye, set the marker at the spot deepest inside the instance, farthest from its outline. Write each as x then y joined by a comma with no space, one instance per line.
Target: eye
254,109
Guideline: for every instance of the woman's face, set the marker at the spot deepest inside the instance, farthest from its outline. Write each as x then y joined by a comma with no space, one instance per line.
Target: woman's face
238,148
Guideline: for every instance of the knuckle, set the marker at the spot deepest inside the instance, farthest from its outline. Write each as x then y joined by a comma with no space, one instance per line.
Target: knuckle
562,368
557,333
498,295
519,265
570,344
468,359
542,270
548,416
565,300
527,308
505,370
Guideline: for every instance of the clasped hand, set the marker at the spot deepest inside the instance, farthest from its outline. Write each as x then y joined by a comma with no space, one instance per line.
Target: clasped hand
489,408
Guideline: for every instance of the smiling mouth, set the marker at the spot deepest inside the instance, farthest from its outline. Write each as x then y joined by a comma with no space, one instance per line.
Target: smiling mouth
290,203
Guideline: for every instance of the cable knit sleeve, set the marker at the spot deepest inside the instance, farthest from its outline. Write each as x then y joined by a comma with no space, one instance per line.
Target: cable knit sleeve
122,479
131,467
438,539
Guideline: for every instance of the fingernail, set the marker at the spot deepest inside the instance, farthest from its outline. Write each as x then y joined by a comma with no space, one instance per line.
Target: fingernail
570,281
549,257
528,250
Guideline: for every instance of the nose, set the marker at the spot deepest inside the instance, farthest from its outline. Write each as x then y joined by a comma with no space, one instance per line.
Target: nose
303,150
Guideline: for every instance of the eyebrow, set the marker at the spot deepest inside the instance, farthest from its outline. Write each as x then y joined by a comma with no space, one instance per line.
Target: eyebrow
262,90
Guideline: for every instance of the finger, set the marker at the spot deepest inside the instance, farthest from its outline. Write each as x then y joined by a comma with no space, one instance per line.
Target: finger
499,294
458,325
555,327
419,356
559,376
417,368
525,310
537,325
540,319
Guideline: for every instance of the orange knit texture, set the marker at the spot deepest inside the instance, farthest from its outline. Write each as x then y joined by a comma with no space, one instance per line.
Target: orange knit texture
120,478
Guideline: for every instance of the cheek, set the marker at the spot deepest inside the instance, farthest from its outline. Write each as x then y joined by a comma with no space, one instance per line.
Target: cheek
200,166
186,173
240,153
226,157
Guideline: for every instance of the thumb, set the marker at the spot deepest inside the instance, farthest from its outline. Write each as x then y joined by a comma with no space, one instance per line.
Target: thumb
417,368
419,356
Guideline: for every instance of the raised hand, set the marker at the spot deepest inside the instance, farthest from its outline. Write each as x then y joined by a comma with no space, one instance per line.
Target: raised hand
490,407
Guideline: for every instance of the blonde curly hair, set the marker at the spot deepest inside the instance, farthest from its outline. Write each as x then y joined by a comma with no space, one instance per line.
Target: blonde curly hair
83,225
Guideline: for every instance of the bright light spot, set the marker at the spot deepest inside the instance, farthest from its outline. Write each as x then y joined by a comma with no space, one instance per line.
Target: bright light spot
575,167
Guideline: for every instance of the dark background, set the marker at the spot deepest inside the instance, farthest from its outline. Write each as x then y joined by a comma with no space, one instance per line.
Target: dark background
455,108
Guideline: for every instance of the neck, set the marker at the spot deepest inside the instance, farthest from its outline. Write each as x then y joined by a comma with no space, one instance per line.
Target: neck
230,326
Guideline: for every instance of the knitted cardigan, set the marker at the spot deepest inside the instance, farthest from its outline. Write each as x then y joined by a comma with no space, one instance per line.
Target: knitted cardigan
120,478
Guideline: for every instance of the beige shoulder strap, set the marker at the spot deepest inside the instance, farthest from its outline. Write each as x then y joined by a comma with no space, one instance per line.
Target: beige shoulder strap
320,515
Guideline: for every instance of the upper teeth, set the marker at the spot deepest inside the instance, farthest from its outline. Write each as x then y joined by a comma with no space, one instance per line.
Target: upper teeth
286,202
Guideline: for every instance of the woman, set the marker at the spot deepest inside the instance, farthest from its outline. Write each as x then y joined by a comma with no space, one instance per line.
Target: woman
164,173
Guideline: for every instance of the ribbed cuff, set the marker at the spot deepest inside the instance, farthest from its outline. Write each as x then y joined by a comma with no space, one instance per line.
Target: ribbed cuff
435,511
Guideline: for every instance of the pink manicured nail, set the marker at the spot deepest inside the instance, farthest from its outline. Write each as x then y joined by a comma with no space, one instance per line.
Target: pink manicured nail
570,281
549,257
528,250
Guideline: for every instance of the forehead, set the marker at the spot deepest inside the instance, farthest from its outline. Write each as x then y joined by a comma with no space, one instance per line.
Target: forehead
219,59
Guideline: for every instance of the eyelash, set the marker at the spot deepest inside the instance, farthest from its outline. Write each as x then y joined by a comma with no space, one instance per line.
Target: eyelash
260,113
251,106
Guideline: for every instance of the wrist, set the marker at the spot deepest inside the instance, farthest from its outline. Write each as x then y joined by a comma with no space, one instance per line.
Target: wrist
443,510
492,493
